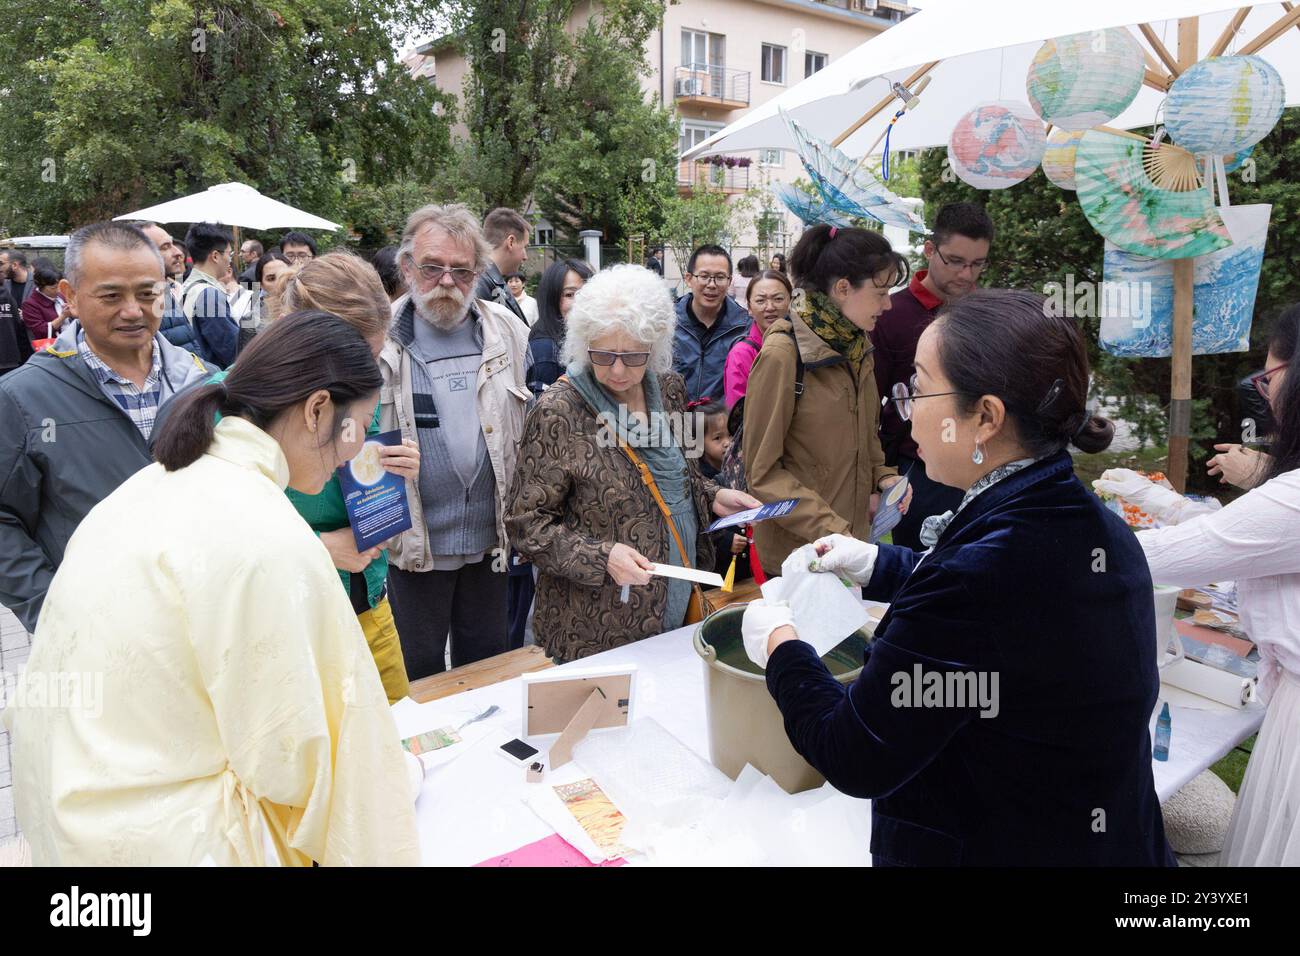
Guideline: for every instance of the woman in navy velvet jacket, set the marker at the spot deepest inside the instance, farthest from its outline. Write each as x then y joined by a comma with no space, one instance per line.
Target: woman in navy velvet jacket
1002,714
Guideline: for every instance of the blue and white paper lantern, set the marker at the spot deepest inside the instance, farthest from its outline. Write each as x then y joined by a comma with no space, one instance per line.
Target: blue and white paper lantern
1224,104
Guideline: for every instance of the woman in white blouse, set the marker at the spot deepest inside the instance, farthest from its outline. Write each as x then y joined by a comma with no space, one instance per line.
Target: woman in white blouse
1255,541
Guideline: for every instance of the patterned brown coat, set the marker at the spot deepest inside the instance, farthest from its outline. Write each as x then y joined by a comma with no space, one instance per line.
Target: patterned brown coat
574,496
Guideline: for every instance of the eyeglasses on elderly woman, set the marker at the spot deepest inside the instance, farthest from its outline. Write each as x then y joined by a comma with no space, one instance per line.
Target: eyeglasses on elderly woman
630,359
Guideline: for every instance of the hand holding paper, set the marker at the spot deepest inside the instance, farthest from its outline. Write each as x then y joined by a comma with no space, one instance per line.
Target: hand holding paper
628,566
845,556
728,502
825,610
342,546
756,627
402,460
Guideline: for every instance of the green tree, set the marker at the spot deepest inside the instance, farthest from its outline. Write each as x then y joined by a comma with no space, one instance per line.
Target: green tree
612,163
704,217
121,104
528,79
1043,237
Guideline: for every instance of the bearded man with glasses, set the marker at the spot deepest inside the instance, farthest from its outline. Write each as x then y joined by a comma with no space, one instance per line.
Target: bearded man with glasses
957,255
454,380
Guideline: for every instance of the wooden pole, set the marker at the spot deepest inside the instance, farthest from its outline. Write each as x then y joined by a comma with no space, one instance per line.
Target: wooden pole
1180,404
1180,391
1288,7
1281,25
1161,50
875,110
1157,81
1230,31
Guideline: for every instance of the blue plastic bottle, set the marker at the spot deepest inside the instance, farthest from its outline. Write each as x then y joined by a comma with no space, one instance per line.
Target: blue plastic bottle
1163,728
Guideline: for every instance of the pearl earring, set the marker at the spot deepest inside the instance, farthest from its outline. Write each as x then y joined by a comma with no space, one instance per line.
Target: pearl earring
977,456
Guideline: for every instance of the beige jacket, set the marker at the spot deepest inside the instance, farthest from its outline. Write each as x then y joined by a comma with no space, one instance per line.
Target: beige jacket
502,397
823,449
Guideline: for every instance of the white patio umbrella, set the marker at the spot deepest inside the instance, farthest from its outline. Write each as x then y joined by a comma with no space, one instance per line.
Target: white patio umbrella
232,204
980,52
974,53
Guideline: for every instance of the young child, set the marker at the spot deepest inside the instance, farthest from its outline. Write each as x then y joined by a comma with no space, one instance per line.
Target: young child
728,543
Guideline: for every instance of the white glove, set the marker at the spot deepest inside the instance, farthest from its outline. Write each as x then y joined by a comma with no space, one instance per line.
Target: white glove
848,557
757,625
1125,483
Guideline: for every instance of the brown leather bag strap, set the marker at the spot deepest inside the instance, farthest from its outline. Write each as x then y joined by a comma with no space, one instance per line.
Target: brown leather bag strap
649,480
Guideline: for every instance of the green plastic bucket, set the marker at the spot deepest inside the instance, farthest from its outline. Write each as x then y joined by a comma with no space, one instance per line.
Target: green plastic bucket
745,726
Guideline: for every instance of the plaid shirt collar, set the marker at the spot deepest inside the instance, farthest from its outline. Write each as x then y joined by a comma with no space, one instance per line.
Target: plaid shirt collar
139,404
105,375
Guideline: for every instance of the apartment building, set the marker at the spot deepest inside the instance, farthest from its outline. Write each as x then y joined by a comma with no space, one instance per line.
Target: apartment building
714,60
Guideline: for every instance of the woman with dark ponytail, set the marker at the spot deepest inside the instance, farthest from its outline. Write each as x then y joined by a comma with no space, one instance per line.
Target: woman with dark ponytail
812,411
241,719
1001,717
1251,540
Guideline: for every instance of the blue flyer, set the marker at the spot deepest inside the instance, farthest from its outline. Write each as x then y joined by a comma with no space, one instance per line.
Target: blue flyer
887,515
776,509
375,498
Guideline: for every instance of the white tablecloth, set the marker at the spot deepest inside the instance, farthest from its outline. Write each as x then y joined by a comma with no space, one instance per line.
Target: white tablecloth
471,808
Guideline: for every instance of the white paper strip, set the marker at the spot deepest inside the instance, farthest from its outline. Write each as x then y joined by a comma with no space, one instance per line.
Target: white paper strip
710,578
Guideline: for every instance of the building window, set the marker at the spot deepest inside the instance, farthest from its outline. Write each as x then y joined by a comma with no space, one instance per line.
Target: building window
773,64
544,235
812,62
694,133
771,157
700,50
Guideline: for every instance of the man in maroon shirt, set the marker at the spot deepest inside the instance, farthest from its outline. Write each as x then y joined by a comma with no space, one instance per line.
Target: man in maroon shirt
42,310
957,253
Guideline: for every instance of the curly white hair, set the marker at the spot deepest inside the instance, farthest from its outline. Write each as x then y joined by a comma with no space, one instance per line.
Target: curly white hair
627,298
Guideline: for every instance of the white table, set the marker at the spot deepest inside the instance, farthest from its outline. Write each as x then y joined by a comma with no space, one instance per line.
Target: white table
472,808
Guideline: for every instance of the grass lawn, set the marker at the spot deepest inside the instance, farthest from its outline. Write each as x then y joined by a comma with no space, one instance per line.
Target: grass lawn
1233,767
1088,467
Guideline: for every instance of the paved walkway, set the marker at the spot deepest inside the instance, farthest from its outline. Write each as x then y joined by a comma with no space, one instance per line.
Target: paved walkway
15,645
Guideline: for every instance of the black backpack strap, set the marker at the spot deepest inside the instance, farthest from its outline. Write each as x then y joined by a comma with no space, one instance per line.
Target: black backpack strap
798,365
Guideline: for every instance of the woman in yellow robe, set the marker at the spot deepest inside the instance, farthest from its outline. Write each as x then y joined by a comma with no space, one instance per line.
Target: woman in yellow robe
227,709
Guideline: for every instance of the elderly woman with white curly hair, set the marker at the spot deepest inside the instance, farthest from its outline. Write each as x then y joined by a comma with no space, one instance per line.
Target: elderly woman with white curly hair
605,483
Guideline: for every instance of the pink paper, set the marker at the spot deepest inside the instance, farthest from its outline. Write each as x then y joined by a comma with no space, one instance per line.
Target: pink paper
551,851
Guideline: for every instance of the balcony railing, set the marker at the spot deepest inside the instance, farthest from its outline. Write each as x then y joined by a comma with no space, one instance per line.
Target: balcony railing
696,172
711,85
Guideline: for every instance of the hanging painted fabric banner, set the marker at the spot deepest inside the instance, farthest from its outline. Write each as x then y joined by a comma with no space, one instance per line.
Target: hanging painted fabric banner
1137,297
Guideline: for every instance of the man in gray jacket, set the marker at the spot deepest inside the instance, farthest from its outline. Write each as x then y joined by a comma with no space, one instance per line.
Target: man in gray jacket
453,370
76,418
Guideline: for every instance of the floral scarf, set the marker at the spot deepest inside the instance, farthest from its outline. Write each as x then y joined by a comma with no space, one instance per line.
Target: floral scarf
935,525
828,323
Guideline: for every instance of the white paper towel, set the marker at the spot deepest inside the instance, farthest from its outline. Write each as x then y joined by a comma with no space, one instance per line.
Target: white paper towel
825,612
1217,685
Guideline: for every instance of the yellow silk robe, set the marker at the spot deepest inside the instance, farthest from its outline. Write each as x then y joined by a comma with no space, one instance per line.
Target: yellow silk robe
241,717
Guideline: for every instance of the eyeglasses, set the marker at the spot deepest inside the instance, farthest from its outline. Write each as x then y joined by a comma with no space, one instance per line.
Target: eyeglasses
711,279
630,359
1262,380
432,272
298,256
905,395
960,264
